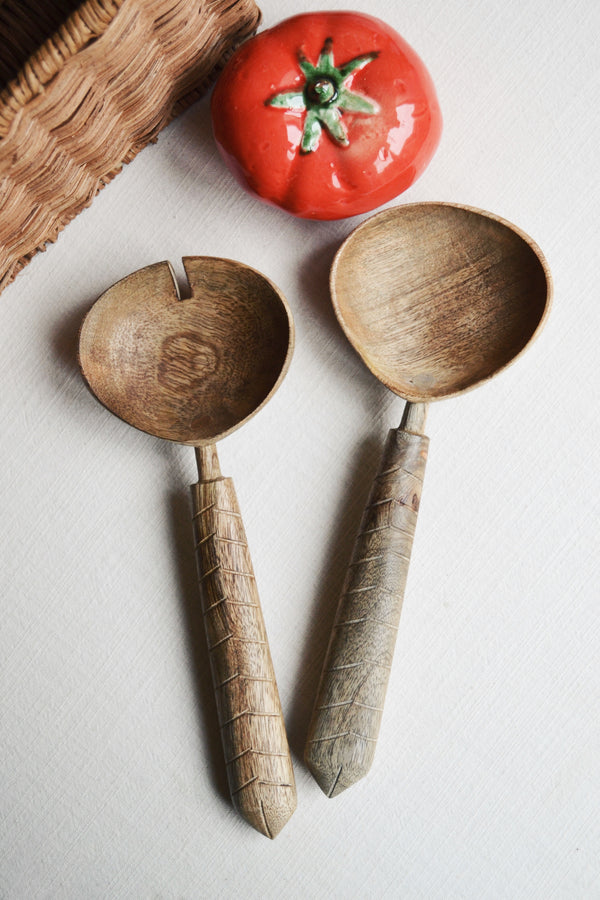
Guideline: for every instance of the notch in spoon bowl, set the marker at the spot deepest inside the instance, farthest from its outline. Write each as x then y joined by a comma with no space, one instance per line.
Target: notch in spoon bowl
436,298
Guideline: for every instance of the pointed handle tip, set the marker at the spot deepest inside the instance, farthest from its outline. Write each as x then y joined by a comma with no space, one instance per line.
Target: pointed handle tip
333,781
270,818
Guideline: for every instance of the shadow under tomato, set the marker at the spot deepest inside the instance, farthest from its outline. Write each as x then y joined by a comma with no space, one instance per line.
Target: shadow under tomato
314,281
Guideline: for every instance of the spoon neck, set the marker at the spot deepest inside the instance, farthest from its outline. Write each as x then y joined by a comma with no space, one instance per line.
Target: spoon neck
208,463
414,417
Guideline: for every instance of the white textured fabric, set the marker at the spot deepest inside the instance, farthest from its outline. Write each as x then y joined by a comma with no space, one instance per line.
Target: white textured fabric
486,782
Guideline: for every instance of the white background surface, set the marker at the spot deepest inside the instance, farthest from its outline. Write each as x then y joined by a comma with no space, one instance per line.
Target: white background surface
486,782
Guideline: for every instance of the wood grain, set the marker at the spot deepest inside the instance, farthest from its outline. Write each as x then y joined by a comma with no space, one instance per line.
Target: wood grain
257,756
192,371
436,298
349,706
189,370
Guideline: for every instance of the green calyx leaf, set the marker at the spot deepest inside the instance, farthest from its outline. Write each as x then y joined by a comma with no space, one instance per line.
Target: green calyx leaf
332,120
291,100
311,132
325,97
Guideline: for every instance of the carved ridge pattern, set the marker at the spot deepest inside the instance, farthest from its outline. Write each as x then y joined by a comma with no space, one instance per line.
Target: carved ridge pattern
347,715
254,740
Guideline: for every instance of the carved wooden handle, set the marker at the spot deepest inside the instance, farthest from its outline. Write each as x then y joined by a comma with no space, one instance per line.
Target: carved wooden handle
347,714
257,756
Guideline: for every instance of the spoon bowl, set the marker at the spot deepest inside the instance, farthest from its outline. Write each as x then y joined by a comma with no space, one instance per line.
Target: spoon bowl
189,371
193,371
436,298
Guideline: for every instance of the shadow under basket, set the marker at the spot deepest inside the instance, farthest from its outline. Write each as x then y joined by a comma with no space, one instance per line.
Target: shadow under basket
83,88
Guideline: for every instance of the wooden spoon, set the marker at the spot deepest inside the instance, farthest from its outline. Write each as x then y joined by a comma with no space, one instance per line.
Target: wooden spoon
436,298
192,371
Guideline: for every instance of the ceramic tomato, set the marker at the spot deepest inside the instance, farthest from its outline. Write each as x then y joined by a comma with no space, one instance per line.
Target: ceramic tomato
327,114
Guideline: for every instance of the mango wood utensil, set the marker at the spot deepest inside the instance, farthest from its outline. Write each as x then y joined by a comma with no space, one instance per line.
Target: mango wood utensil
436,298
192,371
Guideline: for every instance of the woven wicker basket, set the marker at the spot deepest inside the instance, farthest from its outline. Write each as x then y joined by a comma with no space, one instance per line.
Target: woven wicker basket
84,87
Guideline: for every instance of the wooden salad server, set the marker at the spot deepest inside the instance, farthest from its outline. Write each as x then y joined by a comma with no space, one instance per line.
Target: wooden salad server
192,371
436,298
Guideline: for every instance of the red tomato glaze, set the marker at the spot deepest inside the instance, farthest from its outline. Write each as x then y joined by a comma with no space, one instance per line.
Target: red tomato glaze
326,115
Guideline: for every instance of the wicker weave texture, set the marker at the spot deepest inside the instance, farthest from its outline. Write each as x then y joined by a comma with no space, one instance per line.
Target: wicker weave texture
93,95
